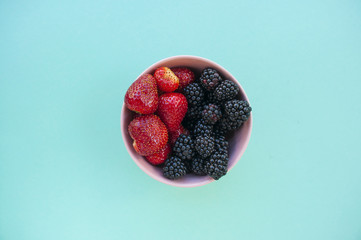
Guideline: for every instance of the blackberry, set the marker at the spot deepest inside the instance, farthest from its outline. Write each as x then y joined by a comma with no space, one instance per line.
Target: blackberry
216,166
202,128
204,145
174,168
188,165
217,130
210,79
225,125
210,98
198,166
237,110
183,147
221,144
227,90
194,112
194,94
211,113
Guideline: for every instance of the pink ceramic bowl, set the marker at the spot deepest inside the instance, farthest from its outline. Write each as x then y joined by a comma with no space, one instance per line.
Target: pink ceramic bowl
237,143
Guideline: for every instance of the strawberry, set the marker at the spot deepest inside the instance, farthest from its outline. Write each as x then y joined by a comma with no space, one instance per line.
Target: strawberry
142,95
172,109
160,156
167,81
149,134
174,135
185,75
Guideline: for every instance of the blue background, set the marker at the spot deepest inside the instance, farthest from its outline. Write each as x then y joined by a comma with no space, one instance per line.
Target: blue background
66,65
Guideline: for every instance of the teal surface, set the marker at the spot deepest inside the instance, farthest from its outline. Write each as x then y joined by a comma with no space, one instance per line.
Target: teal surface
66,65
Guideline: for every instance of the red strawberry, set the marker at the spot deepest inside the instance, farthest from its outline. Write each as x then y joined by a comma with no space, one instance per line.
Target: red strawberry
149,134
174,135
167,81
160,156
142,95
185,75
171,109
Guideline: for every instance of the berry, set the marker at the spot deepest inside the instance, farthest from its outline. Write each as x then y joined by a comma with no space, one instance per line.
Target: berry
183,147
194,112
210,98
185,76
174,135
194,94
167,81
211,113
221,144
227,90
216,165
237,110
171,109
188,165
142,95
174,168
218,129
202,128
149,134
198,166
225,125
160,156
204,145
210,79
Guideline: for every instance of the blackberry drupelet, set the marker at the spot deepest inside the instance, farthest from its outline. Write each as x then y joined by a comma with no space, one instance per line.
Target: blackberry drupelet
210,79
183,147
202,128
194,94
227,90
174,168
237,110
194,112
204,145
211,113
198,166
217,164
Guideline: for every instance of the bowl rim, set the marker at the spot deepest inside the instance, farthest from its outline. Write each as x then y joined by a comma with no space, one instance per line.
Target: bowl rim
206,180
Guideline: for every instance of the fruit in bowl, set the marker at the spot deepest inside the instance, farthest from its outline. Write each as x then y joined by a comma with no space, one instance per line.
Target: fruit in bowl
181,129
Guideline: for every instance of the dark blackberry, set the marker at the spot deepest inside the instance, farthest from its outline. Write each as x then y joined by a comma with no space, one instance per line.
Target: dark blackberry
221,144
218,130
194,94
237,110
210,98
225,125
204,144
210,79
202,128
188,165
216,166
174,168
211,113
198,166
183,147
194,112
227,90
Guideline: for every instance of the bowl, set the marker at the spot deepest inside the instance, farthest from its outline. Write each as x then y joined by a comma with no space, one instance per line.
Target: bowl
237,143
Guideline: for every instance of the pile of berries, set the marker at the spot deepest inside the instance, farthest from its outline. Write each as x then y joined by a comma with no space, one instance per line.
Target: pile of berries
182,122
